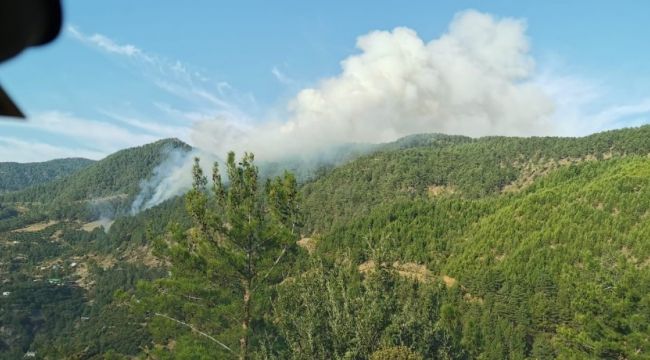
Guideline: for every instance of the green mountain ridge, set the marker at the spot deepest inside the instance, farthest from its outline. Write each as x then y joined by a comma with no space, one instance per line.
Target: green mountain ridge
113,181
472,168
16,176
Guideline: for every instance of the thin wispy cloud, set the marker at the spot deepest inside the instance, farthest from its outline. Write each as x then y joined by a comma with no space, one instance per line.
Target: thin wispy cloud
150,127
197,96
613,116
281,77
223,86
170,75
152,64
99,137
106,44
189,116
579,104
12,149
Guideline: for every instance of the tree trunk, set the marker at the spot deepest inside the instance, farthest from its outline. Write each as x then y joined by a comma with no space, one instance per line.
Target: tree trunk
243,342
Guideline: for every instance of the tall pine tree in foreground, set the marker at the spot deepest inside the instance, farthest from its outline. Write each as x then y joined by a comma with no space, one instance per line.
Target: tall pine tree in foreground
216,295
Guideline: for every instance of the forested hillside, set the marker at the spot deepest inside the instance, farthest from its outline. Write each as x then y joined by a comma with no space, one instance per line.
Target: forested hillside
16,176
469,168
102,189
431,247
117,174
560,269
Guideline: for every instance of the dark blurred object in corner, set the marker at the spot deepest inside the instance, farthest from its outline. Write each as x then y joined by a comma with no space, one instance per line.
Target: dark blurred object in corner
25,23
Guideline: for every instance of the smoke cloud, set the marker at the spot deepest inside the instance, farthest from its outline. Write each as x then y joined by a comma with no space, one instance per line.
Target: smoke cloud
171,178
476,79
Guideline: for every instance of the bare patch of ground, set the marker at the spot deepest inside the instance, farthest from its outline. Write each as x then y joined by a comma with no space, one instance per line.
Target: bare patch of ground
83,276
420,273
81,269
407,270
57,235
438,190
103,261
413,271
448,280
21,209
629,256
530,171
105,223
308,244
107,198
143,255
645,264
49,263
472,299
37,227
366,267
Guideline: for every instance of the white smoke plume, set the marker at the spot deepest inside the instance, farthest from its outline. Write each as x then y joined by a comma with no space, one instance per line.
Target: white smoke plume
105,223
476,79
171,178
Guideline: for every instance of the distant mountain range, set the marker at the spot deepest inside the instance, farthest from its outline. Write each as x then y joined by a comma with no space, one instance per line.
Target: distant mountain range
16,176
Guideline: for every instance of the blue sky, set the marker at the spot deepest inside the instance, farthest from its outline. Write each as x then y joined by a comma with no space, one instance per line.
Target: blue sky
125,73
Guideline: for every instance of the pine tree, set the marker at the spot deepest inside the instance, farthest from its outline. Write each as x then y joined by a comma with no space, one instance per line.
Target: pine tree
239,242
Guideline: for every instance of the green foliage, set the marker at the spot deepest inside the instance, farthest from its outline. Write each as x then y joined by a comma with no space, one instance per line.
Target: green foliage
50,309
566,278
84,322
558,268
222,267
16,176
117,175
470,168
335,312
7,212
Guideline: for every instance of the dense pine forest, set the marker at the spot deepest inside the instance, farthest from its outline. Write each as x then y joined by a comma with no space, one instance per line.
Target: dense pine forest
430,247
16,176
